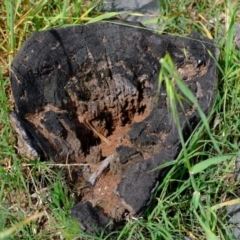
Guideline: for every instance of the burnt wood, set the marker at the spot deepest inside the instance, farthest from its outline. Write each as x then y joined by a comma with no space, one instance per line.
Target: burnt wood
72,82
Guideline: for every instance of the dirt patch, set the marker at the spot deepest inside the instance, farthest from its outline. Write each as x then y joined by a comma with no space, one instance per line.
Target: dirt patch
119,137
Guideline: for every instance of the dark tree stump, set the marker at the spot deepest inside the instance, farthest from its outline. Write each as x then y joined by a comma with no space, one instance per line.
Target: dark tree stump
81,92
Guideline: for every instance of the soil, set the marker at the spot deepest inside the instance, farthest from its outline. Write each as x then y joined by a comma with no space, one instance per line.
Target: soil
119,137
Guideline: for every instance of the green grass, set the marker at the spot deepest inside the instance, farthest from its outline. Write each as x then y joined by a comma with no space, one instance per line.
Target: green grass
191,200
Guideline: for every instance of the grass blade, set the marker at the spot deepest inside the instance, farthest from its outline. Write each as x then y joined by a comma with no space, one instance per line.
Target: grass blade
227,203
104,16
209,234
199,167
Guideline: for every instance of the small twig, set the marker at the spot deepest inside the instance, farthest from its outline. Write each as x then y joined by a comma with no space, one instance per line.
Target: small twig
6,233
56,164
69,171
101,168
89,126
50,165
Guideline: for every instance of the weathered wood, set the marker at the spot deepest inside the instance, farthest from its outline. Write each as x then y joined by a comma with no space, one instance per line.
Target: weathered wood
76,86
